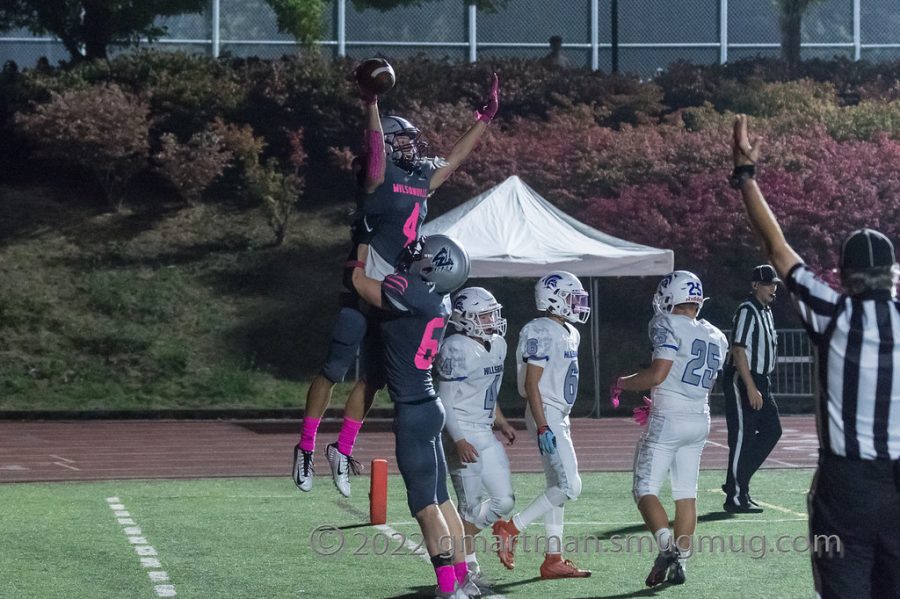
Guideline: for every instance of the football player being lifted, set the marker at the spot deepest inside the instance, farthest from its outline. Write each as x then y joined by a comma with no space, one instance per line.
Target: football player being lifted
688,354
469,368
394,181
547,376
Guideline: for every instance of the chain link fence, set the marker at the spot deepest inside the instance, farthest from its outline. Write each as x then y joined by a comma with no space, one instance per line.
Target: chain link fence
651,33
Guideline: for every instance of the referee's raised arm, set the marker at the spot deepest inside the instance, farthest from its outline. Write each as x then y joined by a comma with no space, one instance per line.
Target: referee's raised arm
762,220
854,501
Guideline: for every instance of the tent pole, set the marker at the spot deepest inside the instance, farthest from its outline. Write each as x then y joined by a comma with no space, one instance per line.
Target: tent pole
595,344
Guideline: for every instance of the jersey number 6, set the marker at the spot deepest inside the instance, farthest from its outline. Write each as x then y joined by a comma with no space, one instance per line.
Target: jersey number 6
428,347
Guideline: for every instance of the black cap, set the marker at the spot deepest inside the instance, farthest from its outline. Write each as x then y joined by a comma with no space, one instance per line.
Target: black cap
765,274
867,248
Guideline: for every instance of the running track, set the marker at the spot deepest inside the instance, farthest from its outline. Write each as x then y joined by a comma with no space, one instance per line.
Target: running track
127,449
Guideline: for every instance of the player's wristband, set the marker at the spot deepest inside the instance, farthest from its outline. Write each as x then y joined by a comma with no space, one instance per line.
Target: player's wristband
543,429
741,174
354,264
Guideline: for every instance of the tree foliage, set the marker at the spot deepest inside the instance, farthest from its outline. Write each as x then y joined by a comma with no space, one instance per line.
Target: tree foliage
88,27
385,5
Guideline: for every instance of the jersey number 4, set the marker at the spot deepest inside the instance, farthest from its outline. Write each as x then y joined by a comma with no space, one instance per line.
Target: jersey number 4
703,368
490,395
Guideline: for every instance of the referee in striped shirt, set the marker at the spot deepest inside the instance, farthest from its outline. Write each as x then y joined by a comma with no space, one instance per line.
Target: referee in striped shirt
750,411
855,495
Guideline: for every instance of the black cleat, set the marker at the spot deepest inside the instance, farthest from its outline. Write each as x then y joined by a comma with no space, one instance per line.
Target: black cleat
743,507
663,562
676,573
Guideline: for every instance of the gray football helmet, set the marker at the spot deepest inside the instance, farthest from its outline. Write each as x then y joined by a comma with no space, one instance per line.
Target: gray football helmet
405,154
442,262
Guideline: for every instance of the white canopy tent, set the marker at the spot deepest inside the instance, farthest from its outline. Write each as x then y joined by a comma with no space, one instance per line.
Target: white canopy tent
511,231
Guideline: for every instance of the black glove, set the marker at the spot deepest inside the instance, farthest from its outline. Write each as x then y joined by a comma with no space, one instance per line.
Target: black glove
410,254
363,229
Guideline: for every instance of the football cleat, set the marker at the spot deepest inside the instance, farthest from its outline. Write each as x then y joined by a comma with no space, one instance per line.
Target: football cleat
341,466
676,572
484,584
457,593
556,567
303,469
506,535
663,562
469,587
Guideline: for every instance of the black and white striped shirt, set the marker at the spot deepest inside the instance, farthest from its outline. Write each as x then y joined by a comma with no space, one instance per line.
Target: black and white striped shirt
858,342
754,330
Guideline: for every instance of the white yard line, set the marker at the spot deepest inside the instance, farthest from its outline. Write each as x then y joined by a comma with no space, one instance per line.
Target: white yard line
146,553
769,459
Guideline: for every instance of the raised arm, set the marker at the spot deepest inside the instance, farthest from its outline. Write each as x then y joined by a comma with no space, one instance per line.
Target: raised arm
762,220
373,144
465,144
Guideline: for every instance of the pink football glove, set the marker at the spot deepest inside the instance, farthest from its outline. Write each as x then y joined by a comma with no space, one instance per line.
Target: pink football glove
489,110
614,392
642,414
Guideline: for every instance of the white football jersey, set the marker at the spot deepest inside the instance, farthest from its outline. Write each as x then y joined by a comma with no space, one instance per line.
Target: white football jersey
469,377
553,347
697,350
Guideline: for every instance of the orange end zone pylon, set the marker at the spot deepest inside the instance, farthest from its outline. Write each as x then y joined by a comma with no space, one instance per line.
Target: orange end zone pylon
378,492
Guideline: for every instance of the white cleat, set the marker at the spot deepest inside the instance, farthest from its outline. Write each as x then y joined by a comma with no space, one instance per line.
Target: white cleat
303,469
470,587
484,585
457,593
341,466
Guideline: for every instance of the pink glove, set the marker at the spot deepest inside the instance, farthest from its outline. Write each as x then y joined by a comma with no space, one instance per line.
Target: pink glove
642,414
614,392
488,111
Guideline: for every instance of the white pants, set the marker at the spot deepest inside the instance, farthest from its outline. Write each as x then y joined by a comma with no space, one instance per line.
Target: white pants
484,492
561,467
672,444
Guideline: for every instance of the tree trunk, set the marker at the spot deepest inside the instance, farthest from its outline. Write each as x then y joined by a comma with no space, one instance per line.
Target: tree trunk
791,21
96,30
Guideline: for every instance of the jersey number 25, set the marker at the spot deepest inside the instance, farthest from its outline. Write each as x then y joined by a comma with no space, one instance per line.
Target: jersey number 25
705,355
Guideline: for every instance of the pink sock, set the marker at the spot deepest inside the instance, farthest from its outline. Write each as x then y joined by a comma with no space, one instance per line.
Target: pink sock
347,437
446,578
308,434
461,569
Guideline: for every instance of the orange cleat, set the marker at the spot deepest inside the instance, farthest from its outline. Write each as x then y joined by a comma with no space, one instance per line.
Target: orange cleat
506,534
555,566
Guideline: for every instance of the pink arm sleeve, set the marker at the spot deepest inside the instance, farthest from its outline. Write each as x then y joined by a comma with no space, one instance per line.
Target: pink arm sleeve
374,155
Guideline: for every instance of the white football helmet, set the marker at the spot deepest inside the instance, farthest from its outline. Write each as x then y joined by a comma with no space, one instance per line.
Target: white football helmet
561,293
678,287
476,312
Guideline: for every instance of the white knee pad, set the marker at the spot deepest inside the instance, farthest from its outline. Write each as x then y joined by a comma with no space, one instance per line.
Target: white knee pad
573,487
503,505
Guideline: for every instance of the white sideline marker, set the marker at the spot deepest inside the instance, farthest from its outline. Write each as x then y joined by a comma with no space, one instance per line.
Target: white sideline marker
143,549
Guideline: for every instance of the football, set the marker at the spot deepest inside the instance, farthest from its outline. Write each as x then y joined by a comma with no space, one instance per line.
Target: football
375,76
